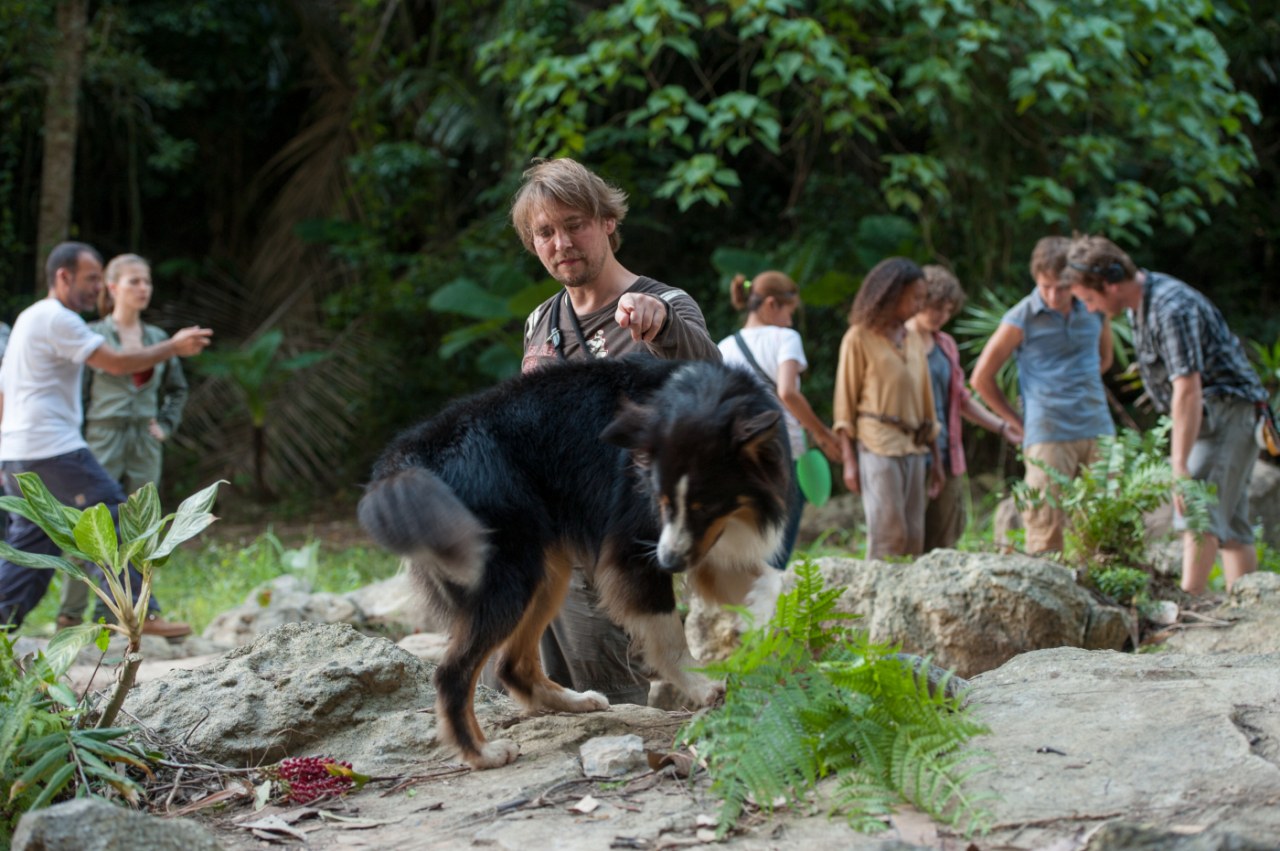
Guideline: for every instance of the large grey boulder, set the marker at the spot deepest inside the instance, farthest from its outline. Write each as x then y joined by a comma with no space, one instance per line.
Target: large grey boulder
1188,743
300,689
970,612
91,824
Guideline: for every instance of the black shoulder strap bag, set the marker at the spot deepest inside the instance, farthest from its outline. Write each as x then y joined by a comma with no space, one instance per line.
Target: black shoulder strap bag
751,359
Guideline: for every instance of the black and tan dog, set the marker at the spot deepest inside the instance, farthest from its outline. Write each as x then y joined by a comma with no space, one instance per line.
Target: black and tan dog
633,469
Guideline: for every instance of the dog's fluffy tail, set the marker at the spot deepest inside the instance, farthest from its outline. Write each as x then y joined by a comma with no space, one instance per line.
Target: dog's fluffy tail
415,514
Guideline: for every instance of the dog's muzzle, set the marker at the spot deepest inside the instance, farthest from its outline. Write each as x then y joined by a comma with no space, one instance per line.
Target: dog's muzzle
675,549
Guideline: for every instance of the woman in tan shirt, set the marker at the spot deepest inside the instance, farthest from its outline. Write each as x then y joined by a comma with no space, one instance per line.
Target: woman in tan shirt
884,410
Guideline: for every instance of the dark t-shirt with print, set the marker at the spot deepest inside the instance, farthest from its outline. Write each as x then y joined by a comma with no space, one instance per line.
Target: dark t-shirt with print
683,336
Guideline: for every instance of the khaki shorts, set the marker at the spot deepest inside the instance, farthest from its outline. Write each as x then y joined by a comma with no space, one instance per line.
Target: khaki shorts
1224,454
1044,524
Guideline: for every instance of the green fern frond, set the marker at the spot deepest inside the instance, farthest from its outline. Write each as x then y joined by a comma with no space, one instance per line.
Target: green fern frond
807,698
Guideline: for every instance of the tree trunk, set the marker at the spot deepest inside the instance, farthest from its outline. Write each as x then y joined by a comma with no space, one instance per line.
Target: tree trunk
61,115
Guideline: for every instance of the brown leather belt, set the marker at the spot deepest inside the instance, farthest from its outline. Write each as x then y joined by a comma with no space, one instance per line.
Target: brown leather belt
918,433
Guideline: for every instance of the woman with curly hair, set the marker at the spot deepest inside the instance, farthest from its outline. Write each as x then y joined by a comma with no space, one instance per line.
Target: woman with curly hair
884,409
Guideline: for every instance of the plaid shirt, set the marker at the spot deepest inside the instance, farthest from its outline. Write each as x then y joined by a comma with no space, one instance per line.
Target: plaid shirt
1177,331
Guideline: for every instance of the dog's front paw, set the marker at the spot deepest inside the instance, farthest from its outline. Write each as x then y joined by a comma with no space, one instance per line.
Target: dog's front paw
705,692
598,700
495,754
586,701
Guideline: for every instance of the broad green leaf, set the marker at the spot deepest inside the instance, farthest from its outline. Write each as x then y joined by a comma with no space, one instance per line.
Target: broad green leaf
41,561
729,261
457,340
62,695
466,298
302,361
104,747
45,510
830,289
64,540
66,645
191,519
56,752
527,300
55,785
96,536
139,541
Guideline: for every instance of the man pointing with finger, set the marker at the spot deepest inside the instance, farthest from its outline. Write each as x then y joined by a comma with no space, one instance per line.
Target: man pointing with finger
569,217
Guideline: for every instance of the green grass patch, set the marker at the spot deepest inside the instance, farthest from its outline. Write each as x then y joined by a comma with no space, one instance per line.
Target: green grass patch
206,578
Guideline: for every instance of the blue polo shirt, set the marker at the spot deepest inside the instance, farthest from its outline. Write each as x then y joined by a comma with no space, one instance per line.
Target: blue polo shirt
1059,372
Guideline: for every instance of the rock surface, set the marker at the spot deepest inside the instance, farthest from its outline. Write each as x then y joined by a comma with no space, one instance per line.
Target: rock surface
1091,750
301,689
1247,622
1181,741
95,825
970,612
389,607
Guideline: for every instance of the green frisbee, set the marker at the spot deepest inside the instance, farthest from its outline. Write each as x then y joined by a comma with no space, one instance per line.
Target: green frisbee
814,475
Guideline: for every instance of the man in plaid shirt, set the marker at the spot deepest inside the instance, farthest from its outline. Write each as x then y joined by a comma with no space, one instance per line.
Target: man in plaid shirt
1195,370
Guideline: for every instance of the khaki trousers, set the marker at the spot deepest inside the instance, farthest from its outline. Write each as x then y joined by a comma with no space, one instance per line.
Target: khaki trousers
1044,524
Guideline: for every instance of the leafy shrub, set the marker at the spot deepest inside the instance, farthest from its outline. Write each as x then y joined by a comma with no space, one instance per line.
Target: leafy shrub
1105,503
1125,585
806,699
45,752
146,540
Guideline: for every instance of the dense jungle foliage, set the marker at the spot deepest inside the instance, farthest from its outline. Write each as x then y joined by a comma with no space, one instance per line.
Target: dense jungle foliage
332,176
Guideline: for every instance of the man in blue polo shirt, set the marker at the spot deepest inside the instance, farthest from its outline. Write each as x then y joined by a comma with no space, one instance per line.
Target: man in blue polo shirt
1062,350
1196,370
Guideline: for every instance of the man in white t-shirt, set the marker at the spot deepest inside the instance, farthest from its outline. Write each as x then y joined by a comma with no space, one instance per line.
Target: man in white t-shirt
42,412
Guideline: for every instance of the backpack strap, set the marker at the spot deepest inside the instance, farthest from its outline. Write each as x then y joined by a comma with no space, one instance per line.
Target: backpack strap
751,359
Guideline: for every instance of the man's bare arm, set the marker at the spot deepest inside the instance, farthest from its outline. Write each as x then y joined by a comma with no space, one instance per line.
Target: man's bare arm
994,355
1187,411
184,344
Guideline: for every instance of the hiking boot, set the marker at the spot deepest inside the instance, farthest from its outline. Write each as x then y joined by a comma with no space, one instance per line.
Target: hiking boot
158,626
66,621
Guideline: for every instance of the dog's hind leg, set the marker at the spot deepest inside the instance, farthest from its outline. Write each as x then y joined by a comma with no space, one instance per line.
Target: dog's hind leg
520,666
456,679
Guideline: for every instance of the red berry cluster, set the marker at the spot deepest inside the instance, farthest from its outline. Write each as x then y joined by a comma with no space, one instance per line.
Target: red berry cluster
306,778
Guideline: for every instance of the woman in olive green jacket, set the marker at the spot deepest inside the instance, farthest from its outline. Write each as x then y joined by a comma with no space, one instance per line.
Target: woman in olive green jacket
127,418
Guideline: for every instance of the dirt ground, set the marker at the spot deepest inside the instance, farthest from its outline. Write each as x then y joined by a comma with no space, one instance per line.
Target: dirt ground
542,801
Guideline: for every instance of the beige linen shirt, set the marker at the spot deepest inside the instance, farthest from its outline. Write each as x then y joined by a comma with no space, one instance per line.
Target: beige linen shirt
874,376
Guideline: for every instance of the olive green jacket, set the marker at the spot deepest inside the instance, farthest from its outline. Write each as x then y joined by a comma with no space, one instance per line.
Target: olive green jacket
116,412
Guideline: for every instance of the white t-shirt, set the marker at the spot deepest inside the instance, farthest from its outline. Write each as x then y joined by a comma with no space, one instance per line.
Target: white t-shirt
772,345
40,379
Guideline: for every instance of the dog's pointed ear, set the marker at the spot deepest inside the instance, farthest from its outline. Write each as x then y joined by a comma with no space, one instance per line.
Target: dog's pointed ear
755,429
630,428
